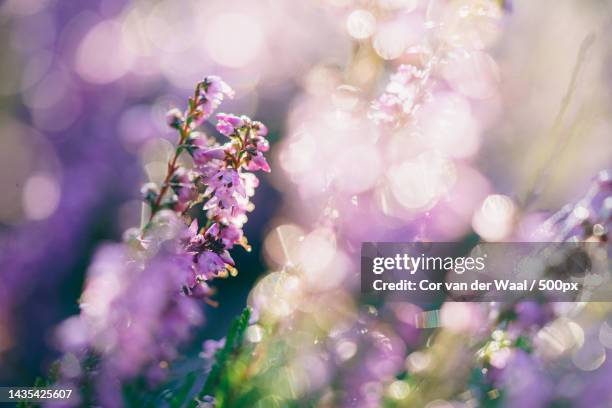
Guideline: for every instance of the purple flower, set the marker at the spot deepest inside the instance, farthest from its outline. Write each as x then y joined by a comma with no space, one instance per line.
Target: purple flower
220,202
228,124
524,382
258,162
209,264
230,235
199,290
214,86
399,98
588,218
251,182
185,189
212,92
132,312
140,297
210,347
260,128
261,144
227,179
174,118
202,156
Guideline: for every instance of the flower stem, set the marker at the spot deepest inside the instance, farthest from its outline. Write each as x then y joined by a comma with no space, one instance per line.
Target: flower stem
184,132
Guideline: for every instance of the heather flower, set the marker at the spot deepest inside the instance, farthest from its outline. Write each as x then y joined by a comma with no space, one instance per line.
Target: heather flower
260,128
210,264
210,347
259,140
258,162
183,186
214,88
210,254
524,382
226,180
149,192
248,135
174,118
400,96
199,290
202,156
250,183
221,174
212,92
228,124
588,218
132,313
230,235
141,297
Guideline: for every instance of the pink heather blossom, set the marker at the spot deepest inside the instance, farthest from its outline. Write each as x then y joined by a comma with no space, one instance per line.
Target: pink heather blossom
209,251
224,200
214,86
399,98
204,155
212,92
251,182
262,144
184,188
230,235
210,264
140,298
228,124
174,118
258,162
132,312
222,173
260,128
227,179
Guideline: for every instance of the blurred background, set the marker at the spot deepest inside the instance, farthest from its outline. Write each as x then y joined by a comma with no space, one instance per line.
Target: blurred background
85,86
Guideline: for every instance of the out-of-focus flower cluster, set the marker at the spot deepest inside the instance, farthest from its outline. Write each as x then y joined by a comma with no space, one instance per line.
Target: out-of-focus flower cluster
364,167
587,219
407,155
132,318
140,297
368,162
396,168
530,339
107,70
530,353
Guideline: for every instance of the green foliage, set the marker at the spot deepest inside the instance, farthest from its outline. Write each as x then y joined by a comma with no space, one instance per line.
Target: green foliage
524,344
219,379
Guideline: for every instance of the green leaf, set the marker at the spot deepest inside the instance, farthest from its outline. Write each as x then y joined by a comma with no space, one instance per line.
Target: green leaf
524,344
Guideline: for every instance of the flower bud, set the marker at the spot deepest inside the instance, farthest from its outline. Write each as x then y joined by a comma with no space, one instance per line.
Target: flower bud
228,124
260,128
131,234
203,156
174,118
200,290
149,193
